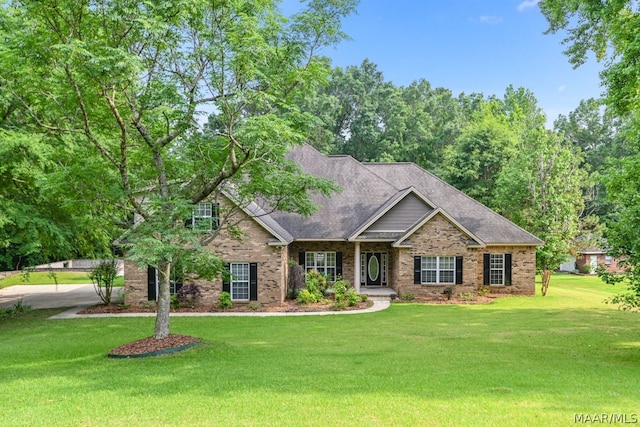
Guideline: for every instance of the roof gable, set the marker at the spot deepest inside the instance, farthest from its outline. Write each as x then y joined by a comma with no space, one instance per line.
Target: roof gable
474,241
396,216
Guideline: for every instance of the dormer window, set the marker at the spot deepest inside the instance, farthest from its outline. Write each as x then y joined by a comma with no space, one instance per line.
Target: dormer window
206,217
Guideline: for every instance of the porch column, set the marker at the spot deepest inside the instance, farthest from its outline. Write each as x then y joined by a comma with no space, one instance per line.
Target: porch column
356,267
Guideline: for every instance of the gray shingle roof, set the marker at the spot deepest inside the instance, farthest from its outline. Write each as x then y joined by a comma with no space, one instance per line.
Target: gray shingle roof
368,187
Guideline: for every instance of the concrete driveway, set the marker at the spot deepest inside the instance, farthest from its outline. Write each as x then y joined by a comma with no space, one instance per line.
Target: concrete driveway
52,296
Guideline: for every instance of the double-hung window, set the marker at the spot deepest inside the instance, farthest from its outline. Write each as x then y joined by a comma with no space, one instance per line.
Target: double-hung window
239,282
322,262
438,270
496,269
205,217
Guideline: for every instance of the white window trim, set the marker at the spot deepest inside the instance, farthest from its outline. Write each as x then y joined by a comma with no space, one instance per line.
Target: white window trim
205,211
329,270
438,270
501,270
233,280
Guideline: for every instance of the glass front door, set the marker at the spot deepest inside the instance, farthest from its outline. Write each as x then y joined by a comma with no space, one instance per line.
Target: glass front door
373,269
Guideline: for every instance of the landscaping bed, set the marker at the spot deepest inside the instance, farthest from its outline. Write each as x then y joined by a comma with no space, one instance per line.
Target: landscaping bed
154,347
285,307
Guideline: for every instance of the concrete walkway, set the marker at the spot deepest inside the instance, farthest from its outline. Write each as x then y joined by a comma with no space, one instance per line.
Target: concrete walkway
82,296
52,296
378,305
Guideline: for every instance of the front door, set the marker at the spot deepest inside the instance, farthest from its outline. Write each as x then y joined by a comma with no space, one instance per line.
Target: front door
373,268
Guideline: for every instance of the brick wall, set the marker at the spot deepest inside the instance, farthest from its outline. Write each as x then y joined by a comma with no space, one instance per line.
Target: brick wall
438,237
523,269
252,247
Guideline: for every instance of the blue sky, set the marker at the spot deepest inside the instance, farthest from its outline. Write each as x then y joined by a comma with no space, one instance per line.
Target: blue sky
467,46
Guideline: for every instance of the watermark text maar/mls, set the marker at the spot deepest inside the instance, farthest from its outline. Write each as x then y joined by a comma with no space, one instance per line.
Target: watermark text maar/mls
605,418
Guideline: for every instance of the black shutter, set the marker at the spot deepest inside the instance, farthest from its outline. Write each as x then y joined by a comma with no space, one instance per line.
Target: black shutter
226,278
338,265
458,270
253,281
486,269
417,270
302,260
507,269
152,282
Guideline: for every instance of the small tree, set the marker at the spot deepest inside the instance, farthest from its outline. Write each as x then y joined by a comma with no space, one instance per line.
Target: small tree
102,276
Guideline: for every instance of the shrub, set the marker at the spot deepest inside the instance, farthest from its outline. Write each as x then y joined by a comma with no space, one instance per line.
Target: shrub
224,300
102,276
18,308
189,293
340,288
316,283
307,297
175,302
254,306
352,297
467,296
339,305
483,291
364,297
407,296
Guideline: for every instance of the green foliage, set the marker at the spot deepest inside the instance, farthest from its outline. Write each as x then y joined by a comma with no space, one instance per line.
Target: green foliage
467,296
407,296
307,297
340,288
344,295
483,291
475,161
18,308
224,300
316,283
129,83
175,302
103,276
541,190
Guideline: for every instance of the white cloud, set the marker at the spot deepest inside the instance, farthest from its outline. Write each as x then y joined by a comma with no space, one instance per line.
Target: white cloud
561,88
487,19
526,4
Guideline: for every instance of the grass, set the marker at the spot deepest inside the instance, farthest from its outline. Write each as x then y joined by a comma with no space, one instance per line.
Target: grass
44,278
519,361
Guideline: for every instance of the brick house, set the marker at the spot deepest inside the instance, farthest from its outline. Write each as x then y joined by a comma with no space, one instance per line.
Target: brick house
589,259
393,226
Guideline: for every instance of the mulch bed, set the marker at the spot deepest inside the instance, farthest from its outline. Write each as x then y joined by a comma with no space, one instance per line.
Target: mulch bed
454,300
285,307
154,347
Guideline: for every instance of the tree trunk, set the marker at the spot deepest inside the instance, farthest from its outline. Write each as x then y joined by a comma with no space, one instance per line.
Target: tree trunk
164,300
546,278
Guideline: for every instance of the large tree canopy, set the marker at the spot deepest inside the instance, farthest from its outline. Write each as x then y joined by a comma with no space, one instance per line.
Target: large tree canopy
609,30
133,79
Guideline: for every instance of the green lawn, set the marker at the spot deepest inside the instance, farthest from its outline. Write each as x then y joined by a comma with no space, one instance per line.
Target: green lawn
44,278
519,361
